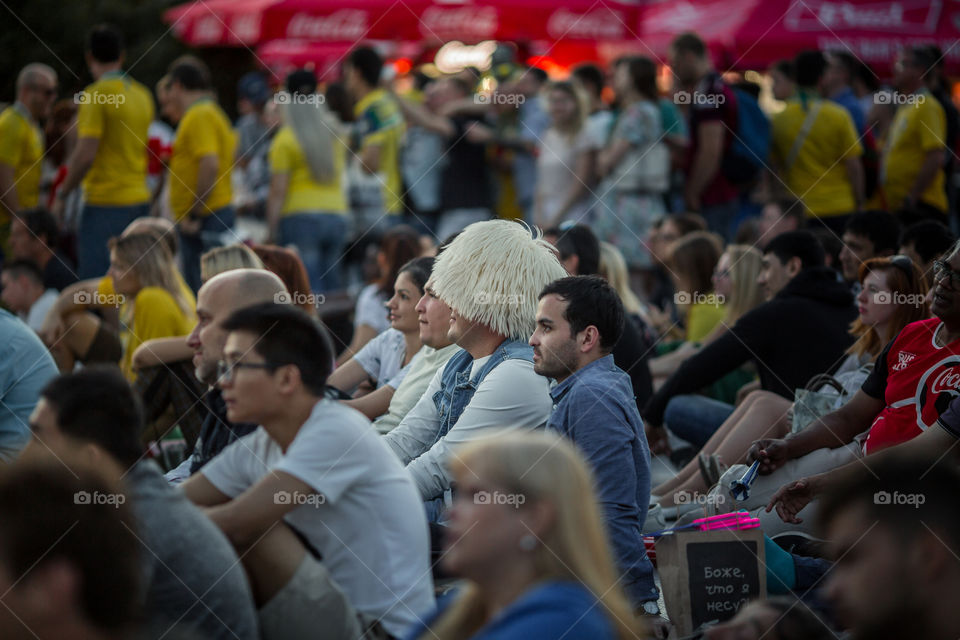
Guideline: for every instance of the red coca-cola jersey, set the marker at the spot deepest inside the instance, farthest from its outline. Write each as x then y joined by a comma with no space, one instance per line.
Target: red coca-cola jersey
917,380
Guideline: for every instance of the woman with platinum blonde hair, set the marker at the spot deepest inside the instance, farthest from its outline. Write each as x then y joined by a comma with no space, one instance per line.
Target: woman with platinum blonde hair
525,533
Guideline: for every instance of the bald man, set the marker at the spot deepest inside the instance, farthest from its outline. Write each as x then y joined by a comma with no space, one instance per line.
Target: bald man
216,301
21,140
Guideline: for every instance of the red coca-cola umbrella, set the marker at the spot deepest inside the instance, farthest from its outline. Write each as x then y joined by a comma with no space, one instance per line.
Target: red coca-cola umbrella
751,34
251,22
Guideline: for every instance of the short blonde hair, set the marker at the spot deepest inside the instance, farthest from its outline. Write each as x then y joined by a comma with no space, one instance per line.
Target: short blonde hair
228,258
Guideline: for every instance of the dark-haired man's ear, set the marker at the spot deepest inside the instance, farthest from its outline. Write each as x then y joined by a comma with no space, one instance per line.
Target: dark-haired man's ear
794,266
287,379
588,338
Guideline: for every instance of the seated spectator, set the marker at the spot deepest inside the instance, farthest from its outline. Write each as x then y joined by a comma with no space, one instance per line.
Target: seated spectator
692,262
437,349
526,536
490,276
924,242
385,361
148,293
24,293
868,234
25,367
216,301
310,494
892,288
579,319
893,533
54,551
399,246
34,236
290,269
910,386
663,234
780,618
804,300
579,253
92,420
780,216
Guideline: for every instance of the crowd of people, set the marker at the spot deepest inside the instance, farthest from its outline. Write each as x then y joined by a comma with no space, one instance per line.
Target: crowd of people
549,296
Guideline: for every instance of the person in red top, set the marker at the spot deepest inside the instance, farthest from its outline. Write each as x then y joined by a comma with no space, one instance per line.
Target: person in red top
913,381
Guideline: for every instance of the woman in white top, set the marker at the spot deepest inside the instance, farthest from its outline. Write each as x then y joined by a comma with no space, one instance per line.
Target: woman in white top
385,360
565,163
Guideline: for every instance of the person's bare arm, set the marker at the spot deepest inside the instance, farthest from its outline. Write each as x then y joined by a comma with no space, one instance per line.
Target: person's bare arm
161,351
202,492
855,175
347,376
79,164
9,200
374,404
207,169
279,183
706,163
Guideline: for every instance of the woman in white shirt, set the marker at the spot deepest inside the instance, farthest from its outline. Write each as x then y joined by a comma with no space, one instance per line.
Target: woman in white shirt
565,162
385,360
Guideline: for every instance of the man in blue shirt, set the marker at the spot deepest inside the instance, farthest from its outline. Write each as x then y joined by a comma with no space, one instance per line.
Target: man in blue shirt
579,320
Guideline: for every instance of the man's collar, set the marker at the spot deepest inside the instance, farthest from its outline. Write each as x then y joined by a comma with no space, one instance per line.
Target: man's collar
561,388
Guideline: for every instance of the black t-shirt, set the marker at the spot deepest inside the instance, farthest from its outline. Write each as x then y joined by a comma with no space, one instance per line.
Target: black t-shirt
59,273
631,353
466,180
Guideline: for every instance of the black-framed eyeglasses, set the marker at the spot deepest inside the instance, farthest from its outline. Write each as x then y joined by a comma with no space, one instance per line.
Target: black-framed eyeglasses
226,370
941,269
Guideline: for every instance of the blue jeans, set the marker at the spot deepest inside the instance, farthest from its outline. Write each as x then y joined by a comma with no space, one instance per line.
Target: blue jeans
320,239
212,229
97,225
695,418
720,218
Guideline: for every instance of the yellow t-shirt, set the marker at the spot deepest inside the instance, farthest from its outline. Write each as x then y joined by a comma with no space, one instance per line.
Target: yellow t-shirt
818,175
380,122
117,110
21,147
203,130
916,130
304,194
703,318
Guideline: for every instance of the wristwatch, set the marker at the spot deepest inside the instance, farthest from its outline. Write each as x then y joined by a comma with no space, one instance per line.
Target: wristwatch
650,608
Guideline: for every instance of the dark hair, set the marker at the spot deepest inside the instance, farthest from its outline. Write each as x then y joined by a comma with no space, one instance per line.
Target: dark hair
591,76
832,245
694,258
97,404
845,60
301,81
105,43
400,245
689,42
810,66
797,244
687,222
18,268
338,101
590,301
796,621
368,62
287,335
786,68
930,239
45,521
537,74
866,75
192,76
287,266
792,208
579,240
41,224
935,480
880,227
419,270
922,57
643,75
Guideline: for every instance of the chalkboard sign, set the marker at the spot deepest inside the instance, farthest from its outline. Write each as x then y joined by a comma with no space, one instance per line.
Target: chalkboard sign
723,576
709,575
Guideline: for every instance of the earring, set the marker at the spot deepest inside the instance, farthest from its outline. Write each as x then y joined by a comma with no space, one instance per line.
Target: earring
528,543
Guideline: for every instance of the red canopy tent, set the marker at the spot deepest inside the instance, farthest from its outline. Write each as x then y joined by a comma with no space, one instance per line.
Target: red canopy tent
751,34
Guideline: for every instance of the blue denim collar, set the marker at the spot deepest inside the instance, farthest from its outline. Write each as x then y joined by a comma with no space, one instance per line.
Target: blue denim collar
600,364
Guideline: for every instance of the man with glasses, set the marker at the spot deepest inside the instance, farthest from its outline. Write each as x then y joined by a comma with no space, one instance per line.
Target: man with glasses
913,381
21,142
314,497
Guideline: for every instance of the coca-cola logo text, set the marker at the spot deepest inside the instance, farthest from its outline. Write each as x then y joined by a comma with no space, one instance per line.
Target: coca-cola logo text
946,380
465,22
595,25
342,25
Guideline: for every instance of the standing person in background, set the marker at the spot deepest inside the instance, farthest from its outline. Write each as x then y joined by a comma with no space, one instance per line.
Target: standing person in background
422,160
835,85
111,153
200,167
254,134
564,162
635,164
21,143
591,79
939,88
533,122
307,206
712,116
784,78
